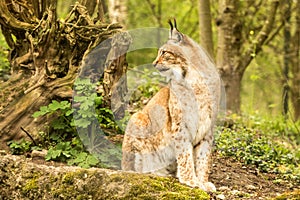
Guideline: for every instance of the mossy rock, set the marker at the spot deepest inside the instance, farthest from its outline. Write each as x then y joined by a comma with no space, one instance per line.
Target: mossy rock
22,179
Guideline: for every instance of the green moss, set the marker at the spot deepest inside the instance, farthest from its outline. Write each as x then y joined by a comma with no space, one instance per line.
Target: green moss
30,185
68,178
295,195
152,187
63,183
65,186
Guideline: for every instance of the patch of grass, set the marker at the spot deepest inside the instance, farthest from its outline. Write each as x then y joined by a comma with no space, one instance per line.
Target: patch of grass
262,143
289,195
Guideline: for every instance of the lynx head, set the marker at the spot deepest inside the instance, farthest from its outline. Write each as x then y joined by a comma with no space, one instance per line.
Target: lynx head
179,55
169,61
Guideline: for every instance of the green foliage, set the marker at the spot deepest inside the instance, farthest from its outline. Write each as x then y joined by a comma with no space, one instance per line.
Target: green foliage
72,153
143,83
62,140
292,195
185,12
84,160
253,141
262,81
4,64
91,107
151,79
20,147
62,124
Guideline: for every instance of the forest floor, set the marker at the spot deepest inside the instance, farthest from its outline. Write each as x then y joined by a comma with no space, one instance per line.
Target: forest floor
232,179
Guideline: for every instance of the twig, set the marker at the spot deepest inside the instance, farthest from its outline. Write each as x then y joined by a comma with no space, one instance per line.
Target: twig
29,136
38,84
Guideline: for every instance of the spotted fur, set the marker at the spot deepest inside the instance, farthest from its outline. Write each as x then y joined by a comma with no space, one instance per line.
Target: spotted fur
173,134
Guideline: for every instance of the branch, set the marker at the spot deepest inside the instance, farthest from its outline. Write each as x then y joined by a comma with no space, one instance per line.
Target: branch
260,39
155,14
29,136
10,20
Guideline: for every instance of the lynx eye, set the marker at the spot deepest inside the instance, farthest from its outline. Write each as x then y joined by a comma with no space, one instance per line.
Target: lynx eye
166,53
163,52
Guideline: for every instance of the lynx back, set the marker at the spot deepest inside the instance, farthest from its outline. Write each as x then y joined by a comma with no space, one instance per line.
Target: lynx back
173,134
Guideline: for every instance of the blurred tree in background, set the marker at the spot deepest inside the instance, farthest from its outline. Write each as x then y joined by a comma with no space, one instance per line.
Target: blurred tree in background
295,58
247,39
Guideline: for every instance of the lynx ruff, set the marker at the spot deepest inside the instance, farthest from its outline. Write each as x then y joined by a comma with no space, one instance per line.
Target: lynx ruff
173,134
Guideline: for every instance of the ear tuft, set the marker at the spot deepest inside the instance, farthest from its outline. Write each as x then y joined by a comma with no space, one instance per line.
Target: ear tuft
175,35
175,24
171,25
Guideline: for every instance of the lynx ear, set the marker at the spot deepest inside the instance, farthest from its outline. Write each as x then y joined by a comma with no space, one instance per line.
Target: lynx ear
175,35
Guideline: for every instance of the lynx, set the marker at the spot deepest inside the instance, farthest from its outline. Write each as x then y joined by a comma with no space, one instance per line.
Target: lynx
173,134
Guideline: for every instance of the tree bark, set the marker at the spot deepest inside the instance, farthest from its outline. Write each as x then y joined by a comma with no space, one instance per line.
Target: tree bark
206,39
228,52
295,47
45,58
286,59
117,11
232,58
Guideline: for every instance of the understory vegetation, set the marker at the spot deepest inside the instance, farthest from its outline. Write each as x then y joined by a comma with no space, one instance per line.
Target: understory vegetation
269,144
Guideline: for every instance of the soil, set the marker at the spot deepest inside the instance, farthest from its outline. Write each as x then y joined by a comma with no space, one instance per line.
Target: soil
232,179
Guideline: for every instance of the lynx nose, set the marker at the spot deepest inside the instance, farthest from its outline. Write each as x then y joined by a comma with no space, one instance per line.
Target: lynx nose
155,63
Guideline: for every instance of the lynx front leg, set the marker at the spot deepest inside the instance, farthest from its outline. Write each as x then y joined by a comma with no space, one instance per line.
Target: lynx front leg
202,157
185,164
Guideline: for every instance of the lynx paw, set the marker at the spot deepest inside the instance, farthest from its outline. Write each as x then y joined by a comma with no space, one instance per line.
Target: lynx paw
209,187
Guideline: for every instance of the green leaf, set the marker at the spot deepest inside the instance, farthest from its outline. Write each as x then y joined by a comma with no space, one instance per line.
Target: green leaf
81,157
55,105
69,112
98,100
92,160
53,154
59,124
84,165
43,110
67,154
82,122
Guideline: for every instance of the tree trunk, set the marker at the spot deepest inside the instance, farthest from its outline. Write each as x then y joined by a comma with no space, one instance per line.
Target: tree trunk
229,44
232,56
295,88
45,57
286,59
117,11
205,26
232,84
